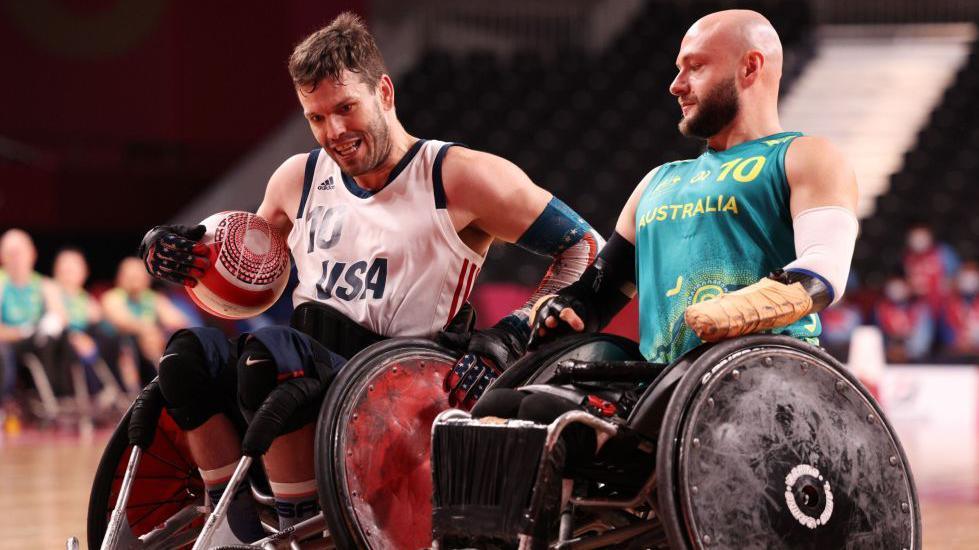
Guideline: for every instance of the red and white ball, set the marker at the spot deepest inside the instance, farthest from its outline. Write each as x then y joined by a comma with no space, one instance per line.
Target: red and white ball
249,266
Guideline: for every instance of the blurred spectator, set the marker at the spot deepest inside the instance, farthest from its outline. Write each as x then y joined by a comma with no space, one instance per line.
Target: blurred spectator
70,273
25,297
84,340
839,322
929,266
143,317
841,319
906,322
960,317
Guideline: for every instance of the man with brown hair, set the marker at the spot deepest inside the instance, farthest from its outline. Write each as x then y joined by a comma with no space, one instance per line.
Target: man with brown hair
388,233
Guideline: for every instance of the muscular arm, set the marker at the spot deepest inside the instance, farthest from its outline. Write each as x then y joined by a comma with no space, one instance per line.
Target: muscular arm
819,175
281,201
626,224
823,198
605,287
489,197
823,201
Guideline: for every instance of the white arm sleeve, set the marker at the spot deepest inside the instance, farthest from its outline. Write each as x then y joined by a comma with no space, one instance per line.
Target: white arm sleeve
824,241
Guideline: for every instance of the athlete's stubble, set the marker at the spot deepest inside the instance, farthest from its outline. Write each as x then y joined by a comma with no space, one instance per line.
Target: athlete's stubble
378,143
714,111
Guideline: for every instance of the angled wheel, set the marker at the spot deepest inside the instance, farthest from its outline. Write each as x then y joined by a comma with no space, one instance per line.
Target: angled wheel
768,442
373,445
166,482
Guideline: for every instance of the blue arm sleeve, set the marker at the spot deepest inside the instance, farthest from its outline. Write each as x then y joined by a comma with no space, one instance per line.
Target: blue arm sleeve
559,232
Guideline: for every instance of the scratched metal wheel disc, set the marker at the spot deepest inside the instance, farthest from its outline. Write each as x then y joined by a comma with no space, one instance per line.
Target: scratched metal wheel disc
778,447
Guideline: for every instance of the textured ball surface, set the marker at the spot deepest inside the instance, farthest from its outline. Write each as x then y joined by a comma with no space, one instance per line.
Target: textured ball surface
249,266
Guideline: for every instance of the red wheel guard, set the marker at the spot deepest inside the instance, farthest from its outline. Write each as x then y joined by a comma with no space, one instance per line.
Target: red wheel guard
166,481
386,447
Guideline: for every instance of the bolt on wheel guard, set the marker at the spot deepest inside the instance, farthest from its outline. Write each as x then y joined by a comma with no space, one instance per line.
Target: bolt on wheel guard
373,444
776,446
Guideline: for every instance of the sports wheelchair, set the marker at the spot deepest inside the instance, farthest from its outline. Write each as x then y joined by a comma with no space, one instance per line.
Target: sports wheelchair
758,442
372,442
704,461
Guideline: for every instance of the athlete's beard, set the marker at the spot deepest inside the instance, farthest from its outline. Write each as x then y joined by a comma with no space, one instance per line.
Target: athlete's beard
378,142
715,111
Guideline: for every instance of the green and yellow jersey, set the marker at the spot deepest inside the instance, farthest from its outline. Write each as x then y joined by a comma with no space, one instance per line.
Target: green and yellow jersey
21,306
77,308
142,307
707,226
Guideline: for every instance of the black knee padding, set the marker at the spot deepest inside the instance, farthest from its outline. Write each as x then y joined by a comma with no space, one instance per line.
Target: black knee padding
187,381
257,375
501,403
270,357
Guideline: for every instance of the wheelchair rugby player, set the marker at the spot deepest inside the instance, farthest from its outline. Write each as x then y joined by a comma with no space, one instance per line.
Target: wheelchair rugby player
388,233
727,427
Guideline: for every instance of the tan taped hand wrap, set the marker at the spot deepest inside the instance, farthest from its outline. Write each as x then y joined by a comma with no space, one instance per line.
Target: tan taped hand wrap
764,305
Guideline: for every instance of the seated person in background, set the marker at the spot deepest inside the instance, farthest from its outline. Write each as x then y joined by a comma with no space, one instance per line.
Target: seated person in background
960,317
929,265
25,297
906,321
84,340
144,318
840,321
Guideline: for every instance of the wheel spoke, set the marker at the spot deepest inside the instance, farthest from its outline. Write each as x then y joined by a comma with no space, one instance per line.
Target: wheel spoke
156,506
173,446
164,461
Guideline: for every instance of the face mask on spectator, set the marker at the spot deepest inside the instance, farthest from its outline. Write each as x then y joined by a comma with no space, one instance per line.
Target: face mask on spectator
919,240
968,282
897,291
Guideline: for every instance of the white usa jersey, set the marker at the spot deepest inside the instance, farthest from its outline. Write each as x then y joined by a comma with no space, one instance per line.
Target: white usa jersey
389,260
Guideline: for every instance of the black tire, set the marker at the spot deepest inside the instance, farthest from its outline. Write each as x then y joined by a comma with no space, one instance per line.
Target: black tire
704,366
116,450
335,415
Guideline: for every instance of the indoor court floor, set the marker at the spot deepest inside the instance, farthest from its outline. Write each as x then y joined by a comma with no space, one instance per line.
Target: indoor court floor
45,480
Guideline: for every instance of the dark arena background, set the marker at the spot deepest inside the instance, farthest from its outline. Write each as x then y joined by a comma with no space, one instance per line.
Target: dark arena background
117,116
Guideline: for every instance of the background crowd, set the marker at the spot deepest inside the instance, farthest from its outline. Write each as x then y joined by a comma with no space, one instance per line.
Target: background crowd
927,308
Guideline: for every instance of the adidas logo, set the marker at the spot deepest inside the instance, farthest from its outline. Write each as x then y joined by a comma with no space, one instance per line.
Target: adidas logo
327,185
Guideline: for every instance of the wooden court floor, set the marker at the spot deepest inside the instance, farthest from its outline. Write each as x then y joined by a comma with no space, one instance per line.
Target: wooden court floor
45,480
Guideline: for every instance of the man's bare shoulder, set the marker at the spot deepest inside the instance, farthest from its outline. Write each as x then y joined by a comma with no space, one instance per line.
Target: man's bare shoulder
469,175
819,174
290,172
805,149
283,193
490,192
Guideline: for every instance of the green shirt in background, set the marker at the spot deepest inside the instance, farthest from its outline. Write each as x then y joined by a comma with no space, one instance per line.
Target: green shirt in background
21,306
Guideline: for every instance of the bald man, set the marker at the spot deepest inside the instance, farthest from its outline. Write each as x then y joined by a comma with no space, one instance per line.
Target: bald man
756,234
25,296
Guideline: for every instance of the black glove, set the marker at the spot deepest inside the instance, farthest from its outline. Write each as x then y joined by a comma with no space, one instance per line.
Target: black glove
173,253
541,334
488,353
606,286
